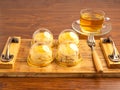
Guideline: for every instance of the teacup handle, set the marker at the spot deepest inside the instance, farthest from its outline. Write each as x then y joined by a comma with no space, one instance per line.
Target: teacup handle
107,19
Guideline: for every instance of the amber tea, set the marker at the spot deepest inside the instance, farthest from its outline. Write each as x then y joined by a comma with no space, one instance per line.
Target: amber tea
91,21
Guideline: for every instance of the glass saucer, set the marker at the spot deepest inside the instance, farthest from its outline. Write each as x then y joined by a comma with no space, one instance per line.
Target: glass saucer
106,28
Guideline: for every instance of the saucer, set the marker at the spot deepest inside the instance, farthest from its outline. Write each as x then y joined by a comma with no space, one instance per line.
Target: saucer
106,28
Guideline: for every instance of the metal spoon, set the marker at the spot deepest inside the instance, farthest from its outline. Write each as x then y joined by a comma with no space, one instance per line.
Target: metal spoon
115,57
7,56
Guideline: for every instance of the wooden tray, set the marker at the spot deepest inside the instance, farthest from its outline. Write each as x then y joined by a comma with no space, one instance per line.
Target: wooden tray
84,69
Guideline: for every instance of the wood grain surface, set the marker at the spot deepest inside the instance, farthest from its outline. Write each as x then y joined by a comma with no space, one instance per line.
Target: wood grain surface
107,49
23,17
85,68
13,50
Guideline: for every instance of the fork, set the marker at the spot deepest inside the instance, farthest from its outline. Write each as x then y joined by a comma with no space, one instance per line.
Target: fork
96,59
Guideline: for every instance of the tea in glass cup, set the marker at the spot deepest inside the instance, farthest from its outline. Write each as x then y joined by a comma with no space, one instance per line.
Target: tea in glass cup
91,21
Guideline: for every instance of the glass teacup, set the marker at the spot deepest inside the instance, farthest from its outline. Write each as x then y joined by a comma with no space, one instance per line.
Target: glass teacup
91,20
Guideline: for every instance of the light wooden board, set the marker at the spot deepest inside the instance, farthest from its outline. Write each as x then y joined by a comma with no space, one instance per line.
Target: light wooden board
84,69
108,50
14,48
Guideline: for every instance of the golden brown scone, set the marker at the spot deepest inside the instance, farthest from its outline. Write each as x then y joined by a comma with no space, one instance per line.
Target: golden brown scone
68,36
40,55
68,54
43,35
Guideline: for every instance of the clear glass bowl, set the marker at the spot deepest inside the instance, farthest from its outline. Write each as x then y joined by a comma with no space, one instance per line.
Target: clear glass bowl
68,54
43,35
67,36
40,55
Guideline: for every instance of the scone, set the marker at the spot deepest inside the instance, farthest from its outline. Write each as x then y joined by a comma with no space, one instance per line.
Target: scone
68,35
43,35
68,54
40,55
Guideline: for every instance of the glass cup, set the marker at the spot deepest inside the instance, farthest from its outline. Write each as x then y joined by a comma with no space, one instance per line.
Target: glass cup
67,36
43,35
91,21
68,54
40,55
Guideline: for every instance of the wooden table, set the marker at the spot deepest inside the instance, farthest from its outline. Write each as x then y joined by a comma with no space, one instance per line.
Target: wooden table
23,17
